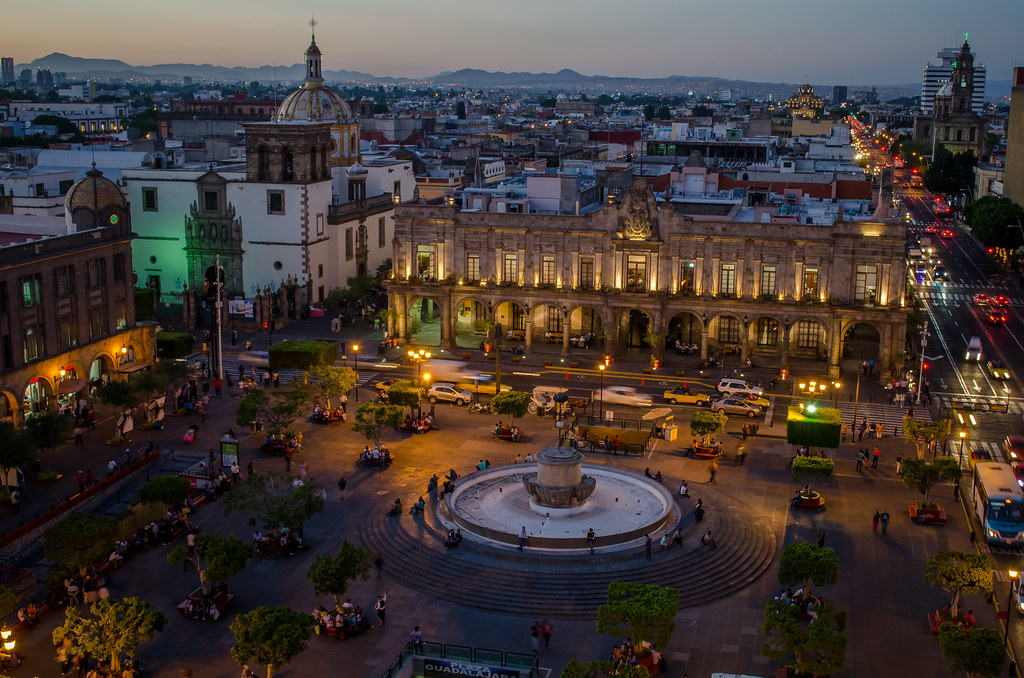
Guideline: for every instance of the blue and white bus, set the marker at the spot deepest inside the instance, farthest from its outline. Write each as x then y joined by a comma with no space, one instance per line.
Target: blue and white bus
999,503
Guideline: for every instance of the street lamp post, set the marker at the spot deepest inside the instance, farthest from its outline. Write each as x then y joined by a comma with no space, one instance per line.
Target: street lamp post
419,356
920,372
1009,606
836,385
601,412
355,358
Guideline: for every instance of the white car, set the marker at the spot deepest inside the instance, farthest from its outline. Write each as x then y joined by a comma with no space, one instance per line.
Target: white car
448,393
730,386
624,395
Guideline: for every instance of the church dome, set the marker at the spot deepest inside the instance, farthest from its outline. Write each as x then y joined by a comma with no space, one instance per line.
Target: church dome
313,102
94,192
945,91
355,169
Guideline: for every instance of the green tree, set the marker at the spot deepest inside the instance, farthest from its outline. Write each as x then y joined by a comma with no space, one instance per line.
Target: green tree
384,270
949,173
405,393
640,611
271,636
959,573
276,413
47,430
64,126
114,630
328,381
649,112
251,407
169,490
921,476
80,540
989,218
809,467
216,558
602,669
117,393
921,434
704,424
805,565
8,601
511,403
17,451
978,651
330,575
274,501
371,418
816,647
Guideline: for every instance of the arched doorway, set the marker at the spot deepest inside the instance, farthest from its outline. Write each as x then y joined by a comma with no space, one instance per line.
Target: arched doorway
861,343
727,332
512,318
471,320
99,371
808,339
37,396
685,328
69,388
425,321
586,330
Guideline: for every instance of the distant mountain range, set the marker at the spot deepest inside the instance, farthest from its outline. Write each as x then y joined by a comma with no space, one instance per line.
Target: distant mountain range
114,69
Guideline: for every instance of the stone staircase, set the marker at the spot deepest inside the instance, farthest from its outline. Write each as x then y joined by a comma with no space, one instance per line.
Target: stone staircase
564,586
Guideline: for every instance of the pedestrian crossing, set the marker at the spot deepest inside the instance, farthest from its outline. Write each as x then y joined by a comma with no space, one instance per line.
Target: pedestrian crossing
993,448
890,417
980,403
232,362
946,295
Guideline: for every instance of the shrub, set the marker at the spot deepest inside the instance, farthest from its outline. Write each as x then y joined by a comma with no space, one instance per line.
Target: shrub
173,345
302,355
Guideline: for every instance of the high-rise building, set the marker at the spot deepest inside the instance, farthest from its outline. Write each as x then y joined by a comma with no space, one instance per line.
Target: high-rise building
936,76
25,79
6,70
1013,177
44,78
839,94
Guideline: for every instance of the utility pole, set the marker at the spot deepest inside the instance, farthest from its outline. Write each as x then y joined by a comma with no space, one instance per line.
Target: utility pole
217,306
497,358
920,372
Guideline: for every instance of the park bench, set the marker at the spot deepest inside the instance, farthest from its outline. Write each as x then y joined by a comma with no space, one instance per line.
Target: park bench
506,434
221,599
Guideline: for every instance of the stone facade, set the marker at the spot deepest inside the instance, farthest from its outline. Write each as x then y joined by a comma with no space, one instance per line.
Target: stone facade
637,272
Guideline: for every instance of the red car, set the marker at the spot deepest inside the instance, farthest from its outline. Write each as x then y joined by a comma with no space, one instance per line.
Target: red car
996,317
981,299
1000,301
1014,446
946,234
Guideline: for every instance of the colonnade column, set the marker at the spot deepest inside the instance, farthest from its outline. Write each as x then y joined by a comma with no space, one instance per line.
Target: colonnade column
447,321
835,353
403,317
704,343
529,333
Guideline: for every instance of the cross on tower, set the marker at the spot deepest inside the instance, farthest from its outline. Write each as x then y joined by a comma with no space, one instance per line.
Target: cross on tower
312,25
966,35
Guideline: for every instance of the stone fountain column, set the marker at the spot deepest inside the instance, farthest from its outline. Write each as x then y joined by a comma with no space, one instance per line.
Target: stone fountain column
559,482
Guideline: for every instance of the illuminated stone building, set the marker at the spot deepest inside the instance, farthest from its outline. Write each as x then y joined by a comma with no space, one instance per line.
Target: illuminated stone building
804,104
639,271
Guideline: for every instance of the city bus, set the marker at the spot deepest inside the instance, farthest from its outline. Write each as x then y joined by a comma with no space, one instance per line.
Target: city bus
999,503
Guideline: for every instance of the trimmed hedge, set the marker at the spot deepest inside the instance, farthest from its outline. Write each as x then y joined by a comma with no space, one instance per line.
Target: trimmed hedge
820,429
173,345
145,304
302,355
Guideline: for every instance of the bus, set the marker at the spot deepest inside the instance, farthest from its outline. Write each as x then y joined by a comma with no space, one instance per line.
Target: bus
999,503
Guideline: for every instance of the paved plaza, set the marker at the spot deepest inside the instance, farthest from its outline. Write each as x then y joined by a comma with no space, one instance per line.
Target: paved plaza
880,582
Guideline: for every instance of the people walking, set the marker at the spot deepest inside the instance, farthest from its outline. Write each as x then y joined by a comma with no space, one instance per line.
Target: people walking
545,630
342,484
874,522
417,640
885,522
821,538
647,546
741,454
381,607
249,469
683,490
236,471
535,636
874,458
712,472
860,460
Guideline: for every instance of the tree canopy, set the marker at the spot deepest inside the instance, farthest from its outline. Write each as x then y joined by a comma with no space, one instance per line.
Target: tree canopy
169,490
640,611
810,467
17,450
47,430
114,629
921,434
814,647
923,476
405,393
274,501
989,218
277,413
371,418
804,565
329,382
216,558
950,174
330,575
513,404
978,650
959,573
704,424
80,539
270,636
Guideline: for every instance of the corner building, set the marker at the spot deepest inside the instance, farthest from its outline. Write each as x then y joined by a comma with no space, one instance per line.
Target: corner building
638,271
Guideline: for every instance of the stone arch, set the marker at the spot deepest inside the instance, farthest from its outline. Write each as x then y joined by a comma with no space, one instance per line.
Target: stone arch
684,326
9,410
586,319
634,326
425,322
809,337
512,315
765,333
725,329
861,340
101,369
38,395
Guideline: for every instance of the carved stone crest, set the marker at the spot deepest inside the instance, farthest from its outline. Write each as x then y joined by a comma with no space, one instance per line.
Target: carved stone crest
636,222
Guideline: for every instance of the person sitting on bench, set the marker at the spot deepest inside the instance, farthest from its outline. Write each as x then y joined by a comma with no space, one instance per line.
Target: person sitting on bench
396,509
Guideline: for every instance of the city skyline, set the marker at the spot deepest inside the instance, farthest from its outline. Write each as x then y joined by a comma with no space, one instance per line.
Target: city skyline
879,43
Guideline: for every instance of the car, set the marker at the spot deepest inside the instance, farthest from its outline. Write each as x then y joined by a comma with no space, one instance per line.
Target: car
1014,446
932,229
448,393
981,299
760,401
735,405
731,386
383,386
940,273
997,369
996,317
1000,301
973,349
946,234
626,395
979,454
687,396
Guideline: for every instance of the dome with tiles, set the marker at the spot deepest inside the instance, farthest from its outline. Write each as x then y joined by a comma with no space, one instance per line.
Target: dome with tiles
94,192
313,102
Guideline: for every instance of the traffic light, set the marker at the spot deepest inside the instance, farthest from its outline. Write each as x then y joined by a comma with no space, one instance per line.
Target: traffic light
266,325
926,366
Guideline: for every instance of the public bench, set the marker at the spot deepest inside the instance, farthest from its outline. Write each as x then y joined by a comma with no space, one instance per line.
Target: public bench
221,599
506,434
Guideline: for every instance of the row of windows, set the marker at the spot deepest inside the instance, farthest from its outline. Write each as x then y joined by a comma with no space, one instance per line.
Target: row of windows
33,336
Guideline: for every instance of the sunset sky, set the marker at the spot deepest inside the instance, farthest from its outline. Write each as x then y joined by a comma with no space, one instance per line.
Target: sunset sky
869,42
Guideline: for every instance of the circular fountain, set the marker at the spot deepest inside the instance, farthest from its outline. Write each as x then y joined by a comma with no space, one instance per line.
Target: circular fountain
558,499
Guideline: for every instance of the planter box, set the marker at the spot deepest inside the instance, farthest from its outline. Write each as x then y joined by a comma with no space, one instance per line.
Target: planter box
648,370
929,516
815,501
574,364
680,373
547,363
467,356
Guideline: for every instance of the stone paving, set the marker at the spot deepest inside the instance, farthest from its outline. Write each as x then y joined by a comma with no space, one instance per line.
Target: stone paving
880,580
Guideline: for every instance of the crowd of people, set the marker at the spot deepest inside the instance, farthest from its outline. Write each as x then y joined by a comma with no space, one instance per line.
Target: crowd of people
419,424
345,621
379,457
628,654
